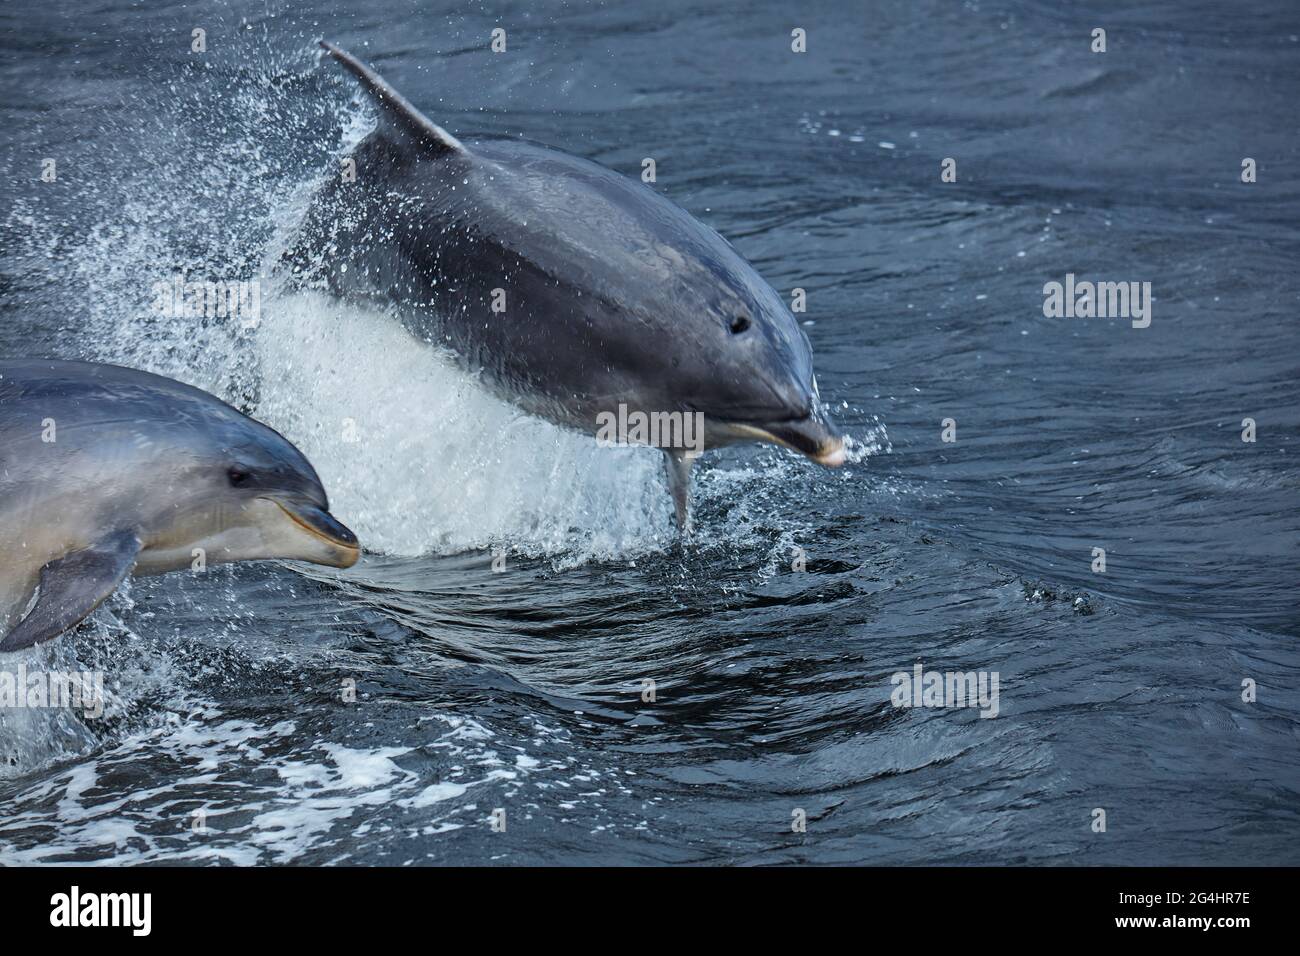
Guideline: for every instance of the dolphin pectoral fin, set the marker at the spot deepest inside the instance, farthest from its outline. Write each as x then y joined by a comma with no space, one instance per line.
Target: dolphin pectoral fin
73,586
679,483
395,108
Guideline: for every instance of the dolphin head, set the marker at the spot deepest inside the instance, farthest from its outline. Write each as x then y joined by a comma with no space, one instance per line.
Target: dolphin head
239,491
699,330
751,375
631,300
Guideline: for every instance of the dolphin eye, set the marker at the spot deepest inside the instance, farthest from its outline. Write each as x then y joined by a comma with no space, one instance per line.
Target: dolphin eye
739,323
238,477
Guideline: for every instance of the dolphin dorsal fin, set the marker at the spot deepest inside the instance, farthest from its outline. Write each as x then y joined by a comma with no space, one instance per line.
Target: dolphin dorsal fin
396,107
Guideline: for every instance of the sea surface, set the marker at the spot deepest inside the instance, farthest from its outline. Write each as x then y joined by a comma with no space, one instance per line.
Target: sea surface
625,697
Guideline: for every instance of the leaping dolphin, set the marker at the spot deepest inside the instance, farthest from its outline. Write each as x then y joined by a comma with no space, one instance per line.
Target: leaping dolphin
579,294
107,472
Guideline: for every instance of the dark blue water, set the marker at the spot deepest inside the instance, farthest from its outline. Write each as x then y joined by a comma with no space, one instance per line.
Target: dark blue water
523,690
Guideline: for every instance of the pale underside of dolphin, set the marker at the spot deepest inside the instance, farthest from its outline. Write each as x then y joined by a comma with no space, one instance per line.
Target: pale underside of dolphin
106,472
578,294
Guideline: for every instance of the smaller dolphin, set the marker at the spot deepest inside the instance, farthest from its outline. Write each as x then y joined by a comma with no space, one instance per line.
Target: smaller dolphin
107,472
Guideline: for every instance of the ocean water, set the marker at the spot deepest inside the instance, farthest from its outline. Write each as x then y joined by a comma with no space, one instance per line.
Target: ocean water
773,634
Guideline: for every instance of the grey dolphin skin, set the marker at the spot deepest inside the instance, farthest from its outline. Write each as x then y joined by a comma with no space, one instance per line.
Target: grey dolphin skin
612,295
107,472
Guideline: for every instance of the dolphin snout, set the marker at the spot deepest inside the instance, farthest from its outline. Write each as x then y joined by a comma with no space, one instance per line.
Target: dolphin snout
812,435
344,549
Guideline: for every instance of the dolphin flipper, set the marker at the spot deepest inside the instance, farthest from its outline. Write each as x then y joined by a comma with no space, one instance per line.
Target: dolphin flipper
395,108
73,586
679,483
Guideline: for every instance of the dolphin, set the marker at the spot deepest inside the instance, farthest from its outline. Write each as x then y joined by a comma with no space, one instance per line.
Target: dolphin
576,293
107,472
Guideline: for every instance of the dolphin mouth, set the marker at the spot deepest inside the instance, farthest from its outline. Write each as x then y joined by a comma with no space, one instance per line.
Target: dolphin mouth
323,525
812,436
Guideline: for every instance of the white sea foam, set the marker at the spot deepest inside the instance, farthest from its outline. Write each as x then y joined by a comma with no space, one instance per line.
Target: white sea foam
259,803
418,457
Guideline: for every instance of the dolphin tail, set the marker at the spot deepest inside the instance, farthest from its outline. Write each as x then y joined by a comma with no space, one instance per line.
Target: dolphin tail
679,465
72,587
395,108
